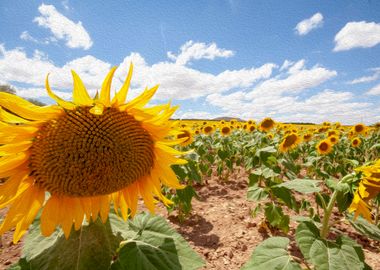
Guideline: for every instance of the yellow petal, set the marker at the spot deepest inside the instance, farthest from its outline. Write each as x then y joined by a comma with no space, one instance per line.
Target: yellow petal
10,162
122,94
63,103
141,100
11,118
97,109
9,149
50,216
26,109
106,88
9,189
80,94
32,207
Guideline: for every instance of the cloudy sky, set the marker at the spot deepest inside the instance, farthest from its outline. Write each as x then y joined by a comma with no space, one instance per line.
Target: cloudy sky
308,61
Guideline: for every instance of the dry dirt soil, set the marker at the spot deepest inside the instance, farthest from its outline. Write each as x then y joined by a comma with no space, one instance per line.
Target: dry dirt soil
221,228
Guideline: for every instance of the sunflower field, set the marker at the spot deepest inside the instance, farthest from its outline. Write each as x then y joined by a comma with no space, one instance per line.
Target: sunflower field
295,172
78,178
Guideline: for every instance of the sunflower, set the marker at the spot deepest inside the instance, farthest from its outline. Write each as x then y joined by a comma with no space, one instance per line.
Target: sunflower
324,147
369,188
208,129
267,124
359,128
333,139
307,137
82,155
225,131
290,141
185,134
270,136
355,142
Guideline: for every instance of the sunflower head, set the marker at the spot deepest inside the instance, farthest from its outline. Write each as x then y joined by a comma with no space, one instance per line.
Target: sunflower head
267,124
208,129
333,139
307,137
369,188
355,142
289,142
85,154
324,147
187,135
225,130
359,128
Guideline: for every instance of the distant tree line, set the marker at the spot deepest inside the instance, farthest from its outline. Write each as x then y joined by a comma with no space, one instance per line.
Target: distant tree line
9,89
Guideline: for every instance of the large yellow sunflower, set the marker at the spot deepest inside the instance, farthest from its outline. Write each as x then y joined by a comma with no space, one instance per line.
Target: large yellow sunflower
72,159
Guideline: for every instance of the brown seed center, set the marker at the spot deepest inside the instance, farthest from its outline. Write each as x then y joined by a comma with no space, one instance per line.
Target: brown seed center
81,154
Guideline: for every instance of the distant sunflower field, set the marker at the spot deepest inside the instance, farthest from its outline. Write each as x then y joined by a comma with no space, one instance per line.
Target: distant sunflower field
304,169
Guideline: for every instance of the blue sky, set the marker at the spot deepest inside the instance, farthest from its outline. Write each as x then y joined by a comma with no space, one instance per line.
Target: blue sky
290,60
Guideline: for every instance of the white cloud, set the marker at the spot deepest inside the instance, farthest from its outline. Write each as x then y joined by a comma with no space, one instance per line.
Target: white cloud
328,105
305,26
254,92
182,82
366,79
198,50
374,90
176,81
91,69
297,81
357,35
194,115
63,28
286,65
37,93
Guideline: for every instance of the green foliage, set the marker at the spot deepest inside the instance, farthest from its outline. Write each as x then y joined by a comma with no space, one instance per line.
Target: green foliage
342,254
364,227
92,247
151,244
272,254
144,243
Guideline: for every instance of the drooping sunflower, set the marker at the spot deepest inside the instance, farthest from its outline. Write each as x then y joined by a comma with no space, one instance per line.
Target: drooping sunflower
290,141
307,137
324,147
355,142
82,155
187,135
267,124
369,188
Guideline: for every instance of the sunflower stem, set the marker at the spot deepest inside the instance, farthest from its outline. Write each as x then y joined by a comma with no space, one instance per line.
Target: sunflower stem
328,211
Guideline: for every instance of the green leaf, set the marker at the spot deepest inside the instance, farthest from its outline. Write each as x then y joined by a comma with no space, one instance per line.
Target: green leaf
276,217
153,244
327,255
366,228
272,254
286,196
92,247
302,185
223,154
377,145
256,194
184,198
306,233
